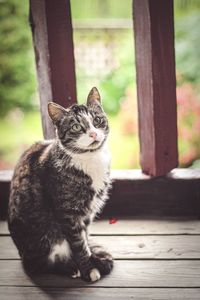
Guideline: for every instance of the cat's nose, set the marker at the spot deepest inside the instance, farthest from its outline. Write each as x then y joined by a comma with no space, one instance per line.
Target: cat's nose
93,135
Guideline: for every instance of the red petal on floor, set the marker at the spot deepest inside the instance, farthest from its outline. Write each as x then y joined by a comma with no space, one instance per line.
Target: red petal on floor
112,221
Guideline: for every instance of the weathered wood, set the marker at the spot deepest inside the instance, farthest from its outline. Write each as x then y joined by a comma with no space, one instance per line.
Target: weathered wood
53,43
4,228
6,175
170,195
4,196
146,227
137,273
179,279
135,194
131,247
5,178
135,174
32,293
182,226
156,85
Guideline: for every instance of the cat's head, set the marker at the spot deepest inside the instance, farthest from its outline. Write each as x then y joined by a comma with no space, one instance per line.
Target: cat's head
81,128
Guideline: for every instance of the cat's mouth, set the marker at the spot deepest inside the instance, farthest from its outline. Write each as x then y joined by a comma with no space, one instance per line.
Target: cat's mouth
95,143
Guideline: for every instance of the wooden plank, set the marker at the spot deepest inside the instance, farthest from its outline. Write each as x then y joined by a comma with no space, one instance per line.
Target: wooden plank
19,293
156,85
6,175
133,175
131,247
137,227
4,228
175,174
146,227
136,194
135,273
4,196
53,43
163,196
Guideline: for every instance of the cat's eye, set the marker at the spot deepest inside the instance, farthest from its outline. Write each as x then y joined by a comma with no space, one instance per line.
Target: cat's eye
97,121
76,127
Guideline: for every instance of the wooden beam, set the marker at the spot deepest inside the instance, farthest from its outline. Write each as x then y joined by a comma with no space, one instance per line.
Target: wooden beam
53,43
176,194
134,194
156,85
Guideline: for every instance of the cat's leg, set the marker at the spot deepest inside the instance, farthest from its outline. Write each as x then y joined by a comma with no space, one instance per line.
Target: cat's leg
35,254
60,259
81,251
49,253
101,258
40,264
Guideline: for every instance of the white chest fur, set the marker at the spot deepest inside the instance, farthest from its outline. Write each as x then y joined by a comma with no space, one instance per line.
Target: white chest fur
95,164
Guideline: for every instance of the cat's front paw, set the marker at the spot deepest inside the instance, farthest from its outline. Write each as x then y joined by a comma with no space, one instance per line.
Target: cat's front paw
95,275
103,262
92,275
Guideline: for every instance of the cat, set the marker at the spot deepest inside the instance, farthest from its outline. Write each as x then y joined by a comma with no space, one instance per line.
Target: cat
58,188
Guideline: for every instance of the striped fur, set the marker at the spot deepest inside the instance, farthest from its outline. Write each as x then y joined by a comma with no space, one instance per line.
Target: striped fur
57,189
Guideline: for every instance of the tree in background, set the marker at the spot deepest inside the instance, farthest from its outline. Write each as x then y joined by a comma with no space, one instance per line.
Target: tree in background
17,79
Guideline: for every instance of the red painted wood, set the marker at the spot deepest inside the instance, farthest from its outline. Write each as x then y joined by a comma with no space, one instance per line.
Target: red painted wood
53,43
156,85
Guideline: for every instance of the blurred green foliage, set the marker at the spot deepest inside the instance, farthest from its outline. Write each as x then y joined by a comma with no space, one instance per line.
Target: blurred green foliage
114,85
17,80
17,70
187,42
92,9
187,38
17,132
106,9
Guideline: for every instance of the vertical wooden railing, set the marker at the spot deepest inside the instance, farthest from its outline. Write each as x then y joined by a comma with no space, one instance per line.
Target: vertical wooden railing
155,68
53,43
156,85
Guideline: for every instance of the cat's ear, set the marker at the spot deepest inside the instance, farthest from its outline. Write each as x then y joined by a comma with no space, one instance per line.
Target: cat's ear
94,97
56,111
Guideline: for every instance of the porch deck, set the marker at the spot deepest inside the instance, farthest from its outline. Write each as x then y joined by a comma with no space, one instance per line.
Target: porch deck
154,259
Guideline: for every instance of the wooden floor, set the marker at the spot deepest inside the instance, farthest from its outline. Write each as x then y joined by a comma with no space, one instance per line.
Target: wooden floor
154,259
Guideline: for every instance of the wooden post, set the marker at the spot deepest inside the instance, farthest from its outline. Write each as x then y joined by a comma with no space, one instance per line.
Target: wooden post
156,85
53,43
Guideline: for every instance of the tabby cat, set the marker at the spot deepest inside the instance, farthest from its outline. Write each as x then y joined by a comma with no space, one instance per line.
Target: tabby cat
57,189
